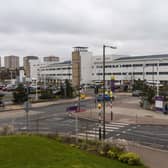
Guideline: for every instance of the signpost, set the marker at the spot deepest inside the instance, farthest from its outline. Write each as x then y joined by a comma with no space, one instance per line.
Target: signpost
159,103
111,111
74,109
27,106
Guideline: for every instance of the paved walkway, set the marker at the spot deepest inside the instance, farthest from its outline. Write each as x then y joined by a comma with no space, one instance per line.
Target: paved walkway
128,116
151,157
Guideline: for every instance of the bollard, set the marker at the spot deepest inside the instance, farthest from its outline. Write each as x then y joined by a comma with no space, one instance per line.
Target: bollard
111,115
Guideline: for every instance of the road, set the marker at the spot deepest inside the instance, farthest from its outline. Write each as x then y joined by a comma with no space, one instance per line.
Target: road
55,119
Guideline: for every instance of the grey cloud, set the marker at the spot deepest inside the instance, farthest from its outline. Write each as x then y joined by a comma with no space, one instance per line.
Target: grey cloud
55,26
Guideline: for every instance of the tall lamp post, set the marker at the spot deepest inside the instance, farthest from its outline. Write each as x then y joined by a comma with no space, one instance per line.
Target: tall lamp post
104,117
158,76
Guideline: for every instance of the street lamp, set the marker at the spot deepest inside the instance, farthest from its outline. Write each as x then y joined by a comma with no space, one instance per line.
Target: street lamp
104,47
158,76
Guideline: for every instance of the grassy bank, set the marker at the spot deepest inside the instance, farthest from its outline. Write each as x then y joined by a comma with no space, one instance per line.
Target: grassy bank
40,152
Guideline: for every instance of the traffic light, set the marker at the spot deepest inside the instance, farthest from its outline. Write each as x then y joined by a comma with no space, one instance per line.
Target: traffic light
99,106
96,90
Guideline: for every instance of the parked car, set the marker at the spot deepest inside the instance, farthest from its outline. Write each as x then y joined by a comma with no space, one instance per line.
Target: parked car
2,103
100,97
137,93
1,86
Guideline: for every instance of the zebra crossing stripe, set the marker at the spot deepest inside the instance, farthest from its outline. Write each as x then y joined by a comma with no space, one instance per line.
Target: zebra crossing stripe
119,123
109,127
90,135
107,130
94,132
113,125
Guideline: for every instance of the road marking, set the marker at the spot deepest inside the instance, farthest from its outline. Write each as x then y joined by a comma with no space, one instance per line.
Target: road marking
111,127
85,135
114,125
119,123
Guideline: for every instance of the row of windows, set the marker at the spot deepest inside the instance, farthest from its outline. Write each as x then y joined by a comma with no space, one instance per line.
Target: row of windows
107,66
131,65
56,75
53,69
135,73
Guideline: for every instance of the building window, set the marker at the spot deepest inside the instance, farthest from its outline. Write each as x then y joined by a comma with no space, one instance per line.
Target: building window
151,73
163,73
163,64
99,74
108,66
151,64
137,65
137,73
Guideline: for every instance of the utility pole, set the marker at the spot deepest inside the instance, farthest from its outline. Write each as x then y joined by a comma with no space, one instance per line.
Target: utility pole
36,89
144,72
157,91
104,129
153,74
27,107
104,117
100,119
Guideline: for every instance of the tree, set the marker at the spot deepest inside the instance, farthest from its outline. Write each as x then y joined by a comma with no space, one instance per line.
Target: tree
69,89
138,85
20,95
149,93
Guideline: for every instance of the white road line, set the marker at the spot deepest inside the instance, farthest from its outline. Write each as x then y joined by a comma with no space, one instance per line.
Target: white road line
113,125
119,123
94,132
90,135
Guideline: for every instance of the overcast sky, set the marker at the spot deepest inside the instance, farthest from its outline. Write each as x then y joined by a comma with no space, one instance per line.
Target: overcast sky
53,27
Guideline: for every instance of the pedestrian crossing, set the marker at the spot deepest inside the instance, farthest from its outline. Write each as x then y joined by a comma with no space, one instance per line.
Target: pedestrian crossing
93,133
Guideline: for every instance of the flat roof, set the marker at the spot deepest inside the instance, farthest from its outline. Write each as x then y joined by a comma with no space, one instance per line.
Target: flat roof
144,57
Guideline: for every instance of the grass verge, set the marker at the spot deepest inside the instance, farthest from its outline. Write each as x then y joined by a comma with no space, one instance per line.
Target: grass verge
39,152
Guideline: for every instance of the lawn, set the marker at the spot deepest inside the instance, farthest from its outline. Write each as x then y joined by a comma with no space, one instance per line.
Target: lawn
40,152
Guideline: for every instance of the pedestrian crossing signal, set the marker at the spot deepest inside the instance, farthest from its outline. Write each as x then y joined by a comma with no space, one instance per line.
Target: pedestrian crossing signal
99,106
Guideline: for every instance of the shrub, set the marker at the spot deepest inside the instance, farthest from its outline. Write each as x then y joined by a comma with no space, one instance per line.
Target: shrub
101,152
7,130
72,145
106,147
83,146
111,154
117,151
103,148
46,94
130,158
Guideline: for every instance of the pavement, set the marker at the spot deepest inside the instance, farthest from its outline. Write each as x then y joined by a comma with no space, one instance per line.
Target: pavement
152,158
127,110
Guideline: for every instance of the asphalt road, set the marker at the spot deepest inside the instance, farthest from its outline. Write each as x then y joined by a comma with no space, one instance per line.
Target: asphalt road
55,119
